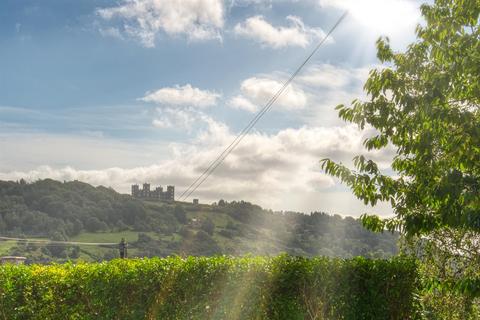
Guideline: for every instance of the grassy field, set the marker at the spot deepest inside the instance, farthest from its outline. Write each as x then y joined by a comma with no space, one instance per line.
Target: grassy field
96,252
5,247
87,252
130,236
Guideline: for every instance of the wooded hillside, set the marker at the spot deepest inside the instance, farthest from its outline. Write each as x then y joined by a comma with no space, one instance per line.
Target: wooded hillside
80,212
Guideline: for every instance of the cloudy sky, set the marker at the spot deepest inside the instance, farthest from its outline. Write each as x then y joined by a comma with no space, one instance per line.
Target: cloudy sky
115,92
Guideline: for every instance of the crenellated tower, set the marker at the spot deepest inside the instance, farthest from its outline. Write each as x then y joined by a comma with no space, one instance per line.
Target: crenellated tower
156,194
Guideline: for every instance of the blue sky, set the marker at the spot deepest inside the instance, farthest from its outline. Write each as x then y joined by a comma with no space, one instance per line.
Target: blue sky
125,91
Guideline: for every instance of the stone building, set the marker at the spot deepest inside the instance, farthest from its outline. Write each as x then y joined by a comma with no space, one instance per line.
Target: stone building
156,194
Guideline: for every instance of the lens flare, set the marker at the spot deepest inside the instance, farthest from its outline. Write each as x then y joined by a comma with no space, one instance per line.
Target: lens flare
385,16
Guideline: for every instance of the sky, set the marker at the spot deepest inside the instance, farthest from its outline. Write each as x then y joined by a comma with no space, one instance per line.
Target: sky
117,92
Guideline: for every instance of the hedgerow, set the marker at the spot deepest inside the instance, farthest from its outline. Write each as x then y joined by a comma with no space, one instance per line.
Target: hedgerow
222,287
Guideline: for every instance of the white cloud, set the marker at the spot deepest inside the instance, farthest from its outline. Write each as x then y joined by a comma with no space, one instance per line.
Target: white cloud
246,3
242,103
182,96
261,89
317,87
111,32
144,19
327,86
279,171
190,121
24,151
174,118
296,34
179,107
332,77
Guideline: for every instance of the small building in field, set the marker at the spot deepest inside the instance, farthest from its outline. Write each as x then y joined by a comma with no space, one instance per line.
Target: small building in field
12,260
195,201
195,223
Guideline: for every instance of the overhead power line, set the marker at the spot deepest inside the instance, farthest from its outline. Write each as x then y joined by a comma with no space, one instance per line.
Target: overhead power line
221,157
53,242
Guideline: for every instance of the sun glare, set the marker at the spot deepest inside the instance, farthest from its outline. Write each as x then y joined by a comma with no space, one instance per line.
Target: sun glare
385,16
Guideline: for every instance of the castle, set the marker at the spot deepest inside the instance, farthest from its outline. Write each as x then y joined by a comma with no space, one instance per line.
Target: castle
157,194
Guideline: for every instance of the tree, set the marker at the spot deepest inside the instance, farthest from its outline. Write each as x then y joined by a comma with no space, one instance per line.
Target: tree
144,238
208,226
75,252
93,224
204,244
180,214
450,260
424,103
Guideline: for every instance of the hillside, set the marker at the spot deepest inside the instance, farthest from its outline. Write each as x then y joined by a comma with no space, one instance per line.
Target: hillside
77,211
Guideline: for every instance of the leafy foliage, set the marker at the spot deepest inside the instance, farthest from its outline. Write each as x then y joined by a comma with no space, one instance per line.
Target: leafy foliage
424,103
213,288
450,268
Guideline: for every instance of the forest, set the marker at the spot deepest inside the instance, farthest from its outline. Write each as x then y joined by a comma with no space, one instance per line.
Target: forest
62,211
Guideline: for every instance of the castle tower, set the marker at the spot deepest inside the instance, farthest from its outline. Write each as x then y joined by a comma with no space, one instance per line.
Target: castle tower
146,190
170,193
158,193
135,190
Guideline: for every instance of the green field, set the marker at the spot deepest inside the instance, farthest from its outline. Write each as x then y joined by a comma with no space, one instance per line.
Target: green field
130,236
5,247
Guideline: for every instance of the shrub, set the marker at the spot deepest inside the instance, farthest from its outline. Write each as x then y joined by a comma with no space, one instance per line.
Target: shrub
208,226
180,214
212,288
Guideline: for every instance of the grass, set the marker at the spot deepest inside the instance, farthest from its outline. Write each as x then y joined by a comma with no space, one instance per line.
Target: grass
114,237
5,247
90,252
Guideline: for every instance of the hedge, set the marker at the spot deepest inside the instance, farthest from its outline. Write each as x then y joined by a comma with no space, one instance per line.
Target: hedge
283,287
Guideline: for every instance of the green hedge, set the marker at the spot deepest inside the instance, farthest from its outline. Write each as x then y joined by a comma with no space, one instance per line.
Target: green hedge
212,288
